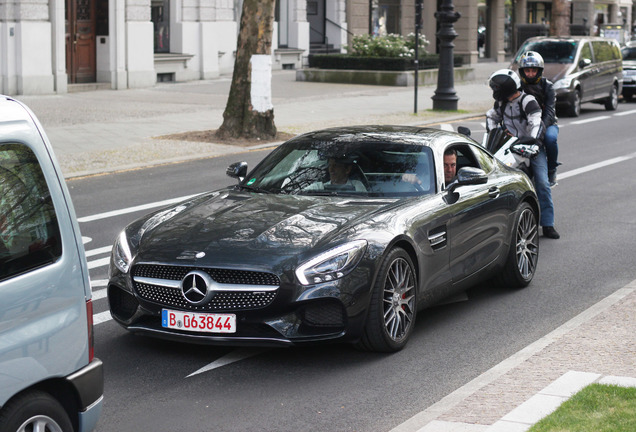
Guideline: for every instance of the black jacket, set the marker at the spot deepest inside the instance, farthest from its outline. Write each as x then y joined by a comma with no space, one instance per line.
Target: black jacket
544,93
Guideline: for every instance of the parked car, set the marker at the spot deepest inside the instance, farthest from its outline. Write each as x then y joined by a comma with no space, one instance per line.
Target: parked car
582,68
291,256
629,70
49,377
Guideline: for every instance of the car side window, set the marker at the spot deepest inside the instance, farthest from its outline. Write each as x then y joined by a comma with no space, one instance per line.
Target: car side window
484,160
602,51
465,157
586,52
29,231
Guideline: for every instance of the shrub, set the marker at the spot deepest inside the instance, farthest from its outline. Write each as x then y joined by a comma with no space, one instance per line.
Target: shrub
390,45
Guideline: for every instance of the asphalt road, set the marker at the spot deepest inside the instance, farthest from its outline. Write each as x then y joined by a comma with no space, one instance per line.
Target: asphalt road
165,386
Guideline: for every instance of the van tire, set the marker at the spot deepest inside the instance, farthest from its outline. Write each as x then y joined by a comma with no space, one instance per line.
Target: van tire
35,408
611,103
574,109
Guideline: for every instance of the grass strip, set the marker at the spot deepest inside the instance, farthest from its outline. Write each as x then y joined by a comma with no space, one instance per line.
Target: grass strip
596,408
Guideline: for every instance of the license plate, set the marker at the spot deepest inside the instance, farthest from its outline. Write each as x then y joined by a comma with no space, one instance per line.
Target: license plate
198,322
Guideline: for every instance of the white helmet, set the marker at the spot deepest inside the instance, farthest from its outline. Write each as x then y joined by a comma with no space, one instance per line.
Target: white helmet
504,83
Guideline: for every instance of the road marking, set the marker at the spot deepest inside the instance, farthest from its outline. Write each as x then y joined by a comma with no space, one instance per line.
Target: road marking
446,127
98,251
590,120
596,166
133,209
101,317
625,113
98,263
232,357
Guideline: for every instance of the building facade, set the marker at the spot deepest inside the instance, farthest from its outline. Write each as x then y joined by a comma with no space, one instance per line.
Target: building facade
51,46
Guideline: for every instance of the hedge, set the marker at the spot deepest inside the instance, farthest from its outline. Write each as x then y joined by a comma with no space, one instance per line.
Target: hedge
344,61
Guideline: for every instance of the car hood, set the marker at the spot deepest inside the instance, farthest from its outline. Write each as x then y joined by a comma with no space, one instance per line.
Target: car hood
556,71
230,227
629,64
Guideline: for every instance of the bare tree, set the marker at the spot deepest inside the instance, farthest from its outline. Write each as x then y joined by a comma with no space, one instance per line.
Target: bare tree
560,23
248,112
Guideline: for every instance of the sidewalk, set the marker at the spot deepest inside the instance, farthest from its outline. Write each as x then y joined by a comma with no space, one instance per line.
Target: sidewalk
102,131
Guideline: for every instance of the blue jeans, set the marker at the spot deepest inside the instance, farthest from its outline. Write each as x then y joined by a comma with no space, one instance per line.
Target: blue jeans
551,146
542,186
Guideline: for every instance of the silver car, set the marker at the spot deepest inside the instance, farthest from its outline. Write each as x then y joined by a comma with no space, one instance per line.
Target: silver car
49,377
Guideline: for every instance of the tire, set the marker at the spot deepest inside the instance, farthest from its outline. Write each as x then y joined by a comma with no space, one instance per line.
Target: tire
611,103
393,305
523,255
574,109
35,410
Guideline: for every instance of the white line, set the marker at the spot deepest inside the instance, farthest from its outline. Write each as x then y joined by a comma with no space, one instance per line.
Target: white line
99,251
231,357
625,113
99,283
133,209
446,127
101,317
596,166
98,263
98,295
590,120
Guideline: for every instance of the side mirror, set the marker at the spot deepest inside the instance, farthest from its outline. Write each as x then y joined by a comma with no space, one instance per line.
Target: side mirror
237,170
585,62
464,130
468,176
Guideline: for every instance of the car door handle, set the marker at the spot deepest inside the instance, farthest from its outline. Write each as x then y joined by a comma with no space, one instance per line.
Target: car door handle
493,192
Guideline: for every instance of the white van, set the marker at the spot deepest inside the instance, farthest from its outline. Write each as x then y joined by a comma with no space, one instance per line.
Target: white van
49,378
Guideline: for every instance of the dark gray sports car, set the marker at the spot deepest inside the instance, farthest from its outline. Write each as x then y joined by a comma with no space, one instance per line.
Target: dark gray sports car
337,235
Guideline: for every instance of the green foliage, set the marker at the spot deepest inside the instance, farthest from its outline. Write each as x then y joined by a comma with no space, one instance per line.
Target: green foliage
345,61
596,408
390,45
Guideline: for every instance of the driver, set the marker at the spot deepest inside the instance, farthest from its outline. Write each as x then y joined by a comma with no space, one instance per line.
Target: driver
339,176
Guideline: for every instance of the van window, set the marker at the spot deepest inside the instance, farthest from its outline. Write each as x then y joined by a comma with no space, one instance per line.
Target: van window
586,52
29,231
603,51
551,51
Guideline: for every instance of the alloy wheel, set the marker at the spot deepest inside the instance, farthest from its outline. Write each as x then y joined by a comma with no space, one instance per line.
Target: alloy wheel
527,244
399,299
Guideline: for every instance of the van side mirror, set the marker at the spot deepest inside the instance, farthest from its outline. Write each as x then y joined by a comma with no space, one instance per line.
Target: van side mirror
585,62
237,170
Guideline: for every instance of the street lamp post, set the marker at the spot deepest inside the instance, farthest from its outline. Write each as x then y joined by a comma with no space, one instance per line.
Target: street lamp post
445,97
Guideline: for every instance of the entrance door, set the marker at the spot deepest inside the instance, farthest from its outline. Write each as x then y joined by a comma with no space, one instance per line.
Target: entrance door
80,41
316,19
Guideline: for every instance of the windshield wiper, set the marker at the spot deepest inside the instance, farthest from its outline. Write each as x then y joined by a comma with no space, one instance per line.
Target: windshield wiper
254,189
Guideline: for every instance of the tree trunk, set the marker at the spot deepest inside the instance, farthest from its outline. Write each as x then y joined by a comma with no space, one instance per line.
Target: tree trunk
560,24
240,118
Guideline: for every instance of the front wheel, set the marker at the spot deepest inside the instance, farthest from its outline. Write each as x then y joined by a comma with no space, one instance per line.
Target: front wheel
392,310
524,250
574,109
611,103
35,411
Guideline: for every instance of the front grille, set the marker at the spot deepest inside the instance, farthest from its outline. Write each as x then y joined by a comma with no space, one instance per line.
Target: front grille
226,300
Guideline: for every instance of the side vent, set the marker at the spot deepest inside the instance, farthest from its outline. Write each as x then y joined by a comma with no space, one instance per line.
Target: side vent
438,238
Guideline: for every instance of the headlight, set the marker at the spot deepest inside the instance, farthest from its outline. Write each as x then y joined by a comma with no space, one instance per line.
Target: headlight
121,253
563,83
333,264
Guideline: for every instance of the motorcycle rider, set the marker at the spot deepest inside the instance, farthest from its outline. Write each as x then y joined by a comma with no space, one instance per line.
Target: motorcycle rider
534,83
520,114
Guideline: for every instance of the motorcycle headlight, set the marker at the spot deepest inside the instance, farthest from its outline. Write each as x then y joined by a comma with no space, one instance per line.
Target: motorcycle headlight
121,253
332,264
563,83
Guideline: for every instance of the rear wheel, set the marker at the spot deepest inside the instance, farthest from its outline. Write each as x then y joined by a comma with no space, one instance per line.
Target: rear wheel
524,251
392,310
611,103
574,109
35,411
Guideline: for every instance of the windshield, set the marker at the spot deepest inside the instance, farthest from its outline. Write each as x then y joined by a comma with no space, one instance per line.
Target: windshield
551,51
629,53
357,169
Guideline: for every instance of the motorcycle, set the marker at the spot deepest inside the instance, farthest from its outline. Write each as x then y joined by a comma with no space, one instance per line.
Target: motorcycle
510,150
